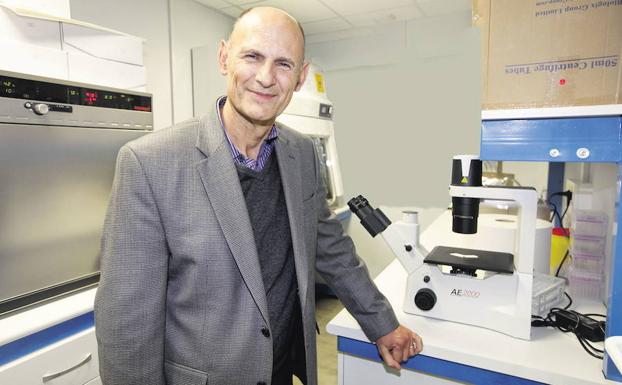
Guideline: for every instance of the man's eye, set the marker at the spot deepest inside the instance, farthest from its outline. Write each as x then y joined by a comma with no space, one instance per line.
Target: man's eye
250,56
285,65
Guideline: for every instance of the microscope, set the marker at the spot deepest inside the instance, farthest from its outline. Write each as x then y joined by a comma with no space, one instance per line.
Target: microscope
476,287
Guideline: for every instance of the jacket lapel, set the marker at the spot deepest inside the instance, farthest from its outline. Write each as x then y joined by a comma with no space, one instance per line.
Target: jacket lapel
220,179
289,168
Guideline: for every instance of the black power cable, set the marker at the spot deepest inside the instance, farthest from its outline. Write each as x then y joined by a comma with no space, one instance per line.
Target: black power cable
568,195
562,263
583,326
561,220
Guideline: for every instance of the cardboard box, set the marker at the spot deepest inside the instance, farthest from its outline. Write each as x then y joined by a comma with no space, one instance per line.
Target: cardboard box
545,53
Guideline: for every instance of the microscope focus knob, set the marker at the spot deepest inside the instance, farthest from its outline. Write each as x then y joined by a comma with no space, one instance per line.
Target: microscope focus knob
425,299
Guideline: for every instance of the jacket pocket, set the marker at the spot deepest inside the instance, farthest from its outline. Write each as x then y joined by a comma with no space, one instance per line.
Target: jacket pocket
177,374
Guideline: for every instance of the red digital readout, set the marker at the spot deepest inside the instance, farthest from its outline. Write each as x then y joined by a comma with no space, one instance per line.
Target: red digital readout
90,97
142,108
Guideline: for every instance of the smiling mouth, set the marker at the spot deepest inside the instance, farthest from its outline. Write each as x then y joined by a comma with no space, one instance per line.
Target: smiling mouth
263,95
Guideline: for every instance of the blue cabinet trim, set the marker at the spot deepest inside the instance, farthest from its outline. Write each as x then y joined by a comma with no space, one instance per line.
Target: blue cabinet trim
533,139
31,343
436,366
614,307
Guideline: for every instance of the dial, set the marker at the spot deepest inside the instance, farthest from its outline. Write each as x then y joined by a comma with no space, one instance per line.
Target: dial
41,108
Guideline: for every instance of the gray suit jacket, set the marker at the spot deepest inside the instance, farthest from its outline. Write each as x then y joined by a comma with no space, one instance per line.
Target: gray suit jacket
181,299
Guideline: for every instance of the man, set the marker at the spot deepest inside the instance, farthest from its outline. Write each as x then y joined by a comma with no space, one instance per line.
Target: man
213,233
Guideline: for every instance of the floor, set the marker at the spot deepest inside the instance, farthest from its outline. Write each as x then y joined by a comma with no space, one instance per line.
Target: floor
326,308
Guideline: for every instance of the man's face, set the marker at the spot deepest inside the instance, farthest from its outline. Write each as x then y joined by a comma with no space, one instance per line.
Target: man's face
263,62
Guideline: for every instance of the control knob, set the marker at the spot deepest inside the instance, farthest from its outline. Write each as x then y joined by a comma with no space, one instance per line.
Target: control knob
40,108
425,299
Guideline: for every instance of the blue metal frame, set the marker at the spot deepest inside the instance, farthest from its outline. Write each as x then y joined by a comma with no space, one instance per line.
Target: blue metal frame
614,308
33,342
533,140
435,366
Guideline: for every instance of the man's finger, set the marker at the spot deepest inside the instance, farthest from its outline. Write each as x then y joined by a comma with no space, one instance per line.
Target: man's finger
418,343
397,353
409,351
387,357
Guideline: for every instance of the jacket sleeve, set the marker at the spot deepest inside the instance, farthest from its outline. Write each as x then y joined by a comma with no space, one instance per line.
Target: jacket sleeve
130,300
346,274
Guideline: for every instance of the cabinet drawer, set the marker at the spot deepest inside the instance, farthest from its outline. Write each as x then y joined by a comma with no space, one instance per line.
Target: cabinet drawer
70,361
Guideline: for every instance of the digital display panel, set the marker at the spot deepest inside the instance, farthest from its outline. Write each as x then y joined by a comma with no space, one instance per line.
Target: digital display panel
11,87
89,97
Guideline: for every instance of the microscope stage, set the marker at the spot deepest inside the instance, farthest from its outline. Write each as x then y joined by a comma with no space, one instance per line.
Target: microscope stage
471,259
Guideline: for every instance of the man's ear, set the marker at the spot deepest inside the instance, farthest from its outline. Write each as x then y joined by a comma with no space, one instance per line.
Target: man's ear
303,75
223,55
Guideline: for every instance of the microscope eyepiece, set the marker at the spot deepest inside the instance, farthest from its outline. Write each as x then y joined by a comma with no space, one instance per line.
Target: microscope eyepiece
359,206
373,220
466,171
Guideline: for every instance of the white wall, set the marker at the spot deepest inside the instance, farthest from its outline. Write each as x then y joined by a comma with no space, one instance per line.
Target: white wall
192,26
407,98
147,19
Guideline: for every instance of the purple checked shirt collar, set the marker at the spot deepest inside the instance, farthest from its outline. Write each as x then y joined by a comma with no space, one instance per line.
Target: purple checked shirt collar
267,147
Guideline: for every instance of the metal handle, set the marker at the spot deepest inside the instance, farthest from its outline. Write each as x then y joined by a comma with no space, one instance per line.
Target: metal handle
49,377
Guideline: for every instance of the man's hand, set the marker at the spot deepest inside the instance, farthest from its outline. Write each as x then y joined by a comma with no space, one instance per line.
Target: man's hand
398,346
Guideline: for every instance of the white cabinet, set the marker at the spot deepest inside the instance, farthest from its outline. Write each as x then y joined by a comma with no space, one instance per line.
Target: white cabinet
71,361
356,371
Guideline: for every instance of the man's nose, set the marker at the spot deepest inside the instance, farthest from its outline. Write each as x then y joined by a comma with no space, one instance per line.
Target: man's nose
265,75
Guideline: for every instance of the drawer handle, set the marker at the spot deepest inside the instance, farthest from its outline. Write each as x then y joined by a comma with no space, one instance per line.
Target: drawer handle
49,377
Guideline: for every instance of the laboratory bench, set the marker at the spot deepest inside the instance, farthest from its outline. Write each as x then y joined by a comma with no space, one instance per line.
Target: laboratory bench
455,353
52,343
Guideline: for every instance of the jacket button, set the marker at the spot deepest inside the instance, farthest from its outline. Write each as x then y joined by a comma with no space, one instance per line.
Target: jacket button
265,332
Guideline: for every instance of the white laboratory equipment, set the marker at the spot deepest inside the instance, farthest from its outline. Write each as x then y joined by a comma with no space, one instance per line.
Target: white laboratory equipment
456,353
311,113
483,288
58,146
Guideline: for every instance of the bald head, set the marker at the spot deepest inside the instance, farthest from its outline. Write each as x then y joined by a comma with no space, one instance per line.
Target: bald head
263,61
262,16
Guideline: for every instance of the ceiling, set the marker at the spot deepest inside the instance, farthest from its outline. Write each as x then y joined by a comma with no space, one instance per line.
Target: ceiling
330,16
